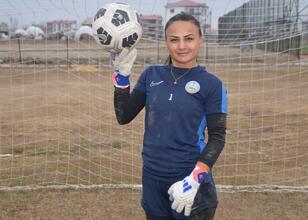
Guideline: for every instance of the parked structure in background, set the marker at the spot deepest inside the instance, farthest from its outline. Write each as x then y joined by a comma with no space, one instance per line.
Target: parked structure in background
84,33
20,33
35,33
152,26
87,22
198,10
4,30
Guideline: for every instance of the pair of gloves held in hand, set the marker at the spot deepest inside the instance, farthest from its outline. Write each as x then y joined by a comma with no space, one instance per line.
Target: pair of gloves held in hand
183,192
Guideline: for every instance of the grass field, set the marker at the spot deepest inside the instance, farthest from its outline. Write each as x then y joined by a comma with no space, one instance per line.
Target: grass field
58,128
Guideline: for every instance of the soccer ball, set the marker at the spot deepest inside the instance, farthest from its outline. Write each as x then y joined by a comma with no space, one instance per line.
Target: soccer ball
116,26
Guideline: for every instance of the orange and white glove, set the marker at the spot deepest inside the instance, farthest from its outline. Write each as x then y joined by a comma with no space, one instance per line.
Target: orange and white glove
183,192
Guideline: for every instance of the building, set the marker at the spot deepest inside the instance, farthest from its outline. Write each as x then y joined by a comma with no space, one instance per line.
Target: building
61,26
199,10
152,26
259,20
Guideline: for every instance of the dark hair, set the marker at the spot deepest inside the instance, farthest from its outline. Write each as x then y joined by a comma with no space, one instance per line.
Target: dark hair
181,17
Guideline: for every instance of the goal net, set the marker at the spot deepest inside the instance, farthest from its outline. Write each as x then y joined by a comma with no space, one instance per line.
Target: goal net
57,121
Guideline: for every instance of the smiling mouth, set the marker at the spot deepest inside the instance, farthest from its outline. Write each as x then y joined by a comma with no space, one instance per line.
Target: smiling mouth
182,54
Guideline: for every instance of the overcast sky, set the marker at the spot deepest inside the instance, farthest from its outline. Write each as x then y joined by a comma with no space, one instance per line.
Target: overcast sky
26,12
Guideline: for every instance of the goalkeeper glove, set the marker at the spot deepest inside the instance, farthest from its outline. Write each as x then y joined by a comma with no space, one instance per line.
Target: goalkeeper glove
123,63
182,193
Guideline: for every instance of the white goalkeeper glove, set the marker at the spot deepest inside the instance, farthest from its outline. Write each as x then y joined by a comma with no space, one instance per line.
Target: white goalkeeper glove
182,193
123,62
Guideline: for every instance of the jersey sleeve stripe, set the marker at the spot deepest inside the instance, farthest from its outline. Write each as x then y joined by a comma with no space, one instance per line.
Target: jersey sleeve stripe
224,103
201,140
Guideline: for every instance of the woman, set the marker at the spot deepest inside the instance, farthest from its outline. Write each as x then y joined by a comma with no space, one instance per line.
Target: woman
181,99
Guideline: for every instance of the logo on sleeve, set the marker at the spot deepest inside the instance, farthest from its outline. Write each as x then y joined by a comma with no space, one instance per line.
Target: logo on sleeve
192,87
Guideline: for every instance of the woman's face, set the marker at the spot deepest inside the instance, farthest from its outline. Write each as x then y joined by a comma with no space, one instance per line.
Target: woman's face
183,42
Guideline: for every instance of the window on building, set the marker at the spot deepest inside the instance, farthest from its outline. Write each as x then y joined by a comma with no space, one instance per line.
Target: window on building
171,10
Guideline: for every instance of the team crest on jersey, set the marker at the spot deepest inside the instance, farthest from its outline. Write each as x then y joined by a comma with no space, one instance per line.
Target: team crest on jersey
192,87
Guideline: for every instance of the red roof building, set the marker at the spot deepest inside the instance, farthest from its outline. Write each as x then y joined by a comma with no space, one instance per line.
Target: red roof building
61,26
199,10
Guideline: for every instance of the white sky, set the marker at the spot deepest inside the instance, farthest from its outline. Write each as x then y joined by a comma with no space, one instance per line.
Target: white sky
27,12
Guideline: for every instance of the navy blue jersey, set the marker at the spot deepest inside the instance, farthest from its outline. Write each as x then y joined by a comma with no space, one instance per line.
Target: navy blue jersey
175,119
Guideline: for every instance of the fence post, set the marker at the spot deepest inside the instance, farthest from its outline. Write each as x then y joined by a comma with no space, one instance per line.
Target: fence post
158,50
206,48
298,46
19,50
67,55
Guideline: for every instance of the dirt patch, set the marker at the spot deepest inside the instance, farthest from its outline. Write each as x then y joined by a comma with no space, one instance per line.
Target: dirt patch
84,69
119,204
57,126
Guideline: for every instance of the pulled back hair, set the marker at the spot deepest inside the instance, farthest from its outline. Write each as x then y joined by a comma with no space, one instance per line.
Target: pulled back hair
182,16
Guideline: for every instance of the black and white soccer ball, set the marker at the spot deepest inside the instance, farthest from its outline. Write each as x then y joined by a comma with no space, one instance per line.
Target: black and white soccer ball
116,26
